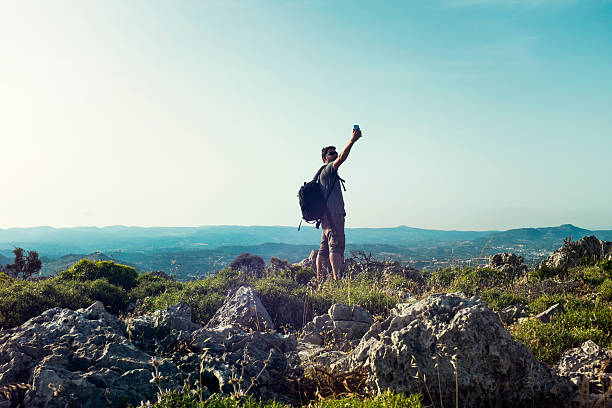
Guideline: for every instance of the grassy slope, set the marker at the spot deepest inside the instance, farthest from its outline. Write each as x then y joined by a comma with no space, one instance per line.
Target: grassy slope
584,292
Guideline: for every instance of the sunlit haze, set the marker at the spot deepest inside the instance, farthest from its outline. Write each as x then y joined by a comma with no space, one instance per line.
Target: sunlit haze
476,114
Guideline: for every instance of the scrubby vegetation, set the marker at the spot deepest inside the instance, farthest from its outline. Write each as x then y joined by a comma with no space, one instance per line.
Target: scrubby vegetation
292,297
186,399
287,292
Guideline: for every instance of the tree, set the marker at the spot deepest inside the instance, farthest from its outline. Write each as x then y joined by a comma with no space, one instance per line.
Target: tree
24,266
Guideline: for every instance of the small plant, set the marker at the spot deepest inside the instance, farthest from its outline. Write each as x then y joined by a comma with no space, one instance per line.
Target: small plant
582,319
497,299
545,272
605,290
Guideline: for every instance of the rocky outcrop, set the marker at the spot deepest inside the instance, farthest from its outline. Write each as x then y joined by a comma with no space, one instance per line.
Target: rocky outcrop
89,357
592,363
547,315
508,263
242,308
341,327
73,357
310,262
423,343
571,253
512,313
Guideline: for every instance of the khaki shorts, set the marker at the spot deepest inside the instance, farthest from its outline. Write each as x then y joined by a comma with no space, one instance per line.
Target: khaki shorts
332,235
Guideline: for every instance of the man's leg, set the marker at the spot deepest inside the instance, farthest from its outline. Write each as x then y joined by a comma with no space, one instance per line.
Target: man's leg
336,246
322,255
336,262
320,266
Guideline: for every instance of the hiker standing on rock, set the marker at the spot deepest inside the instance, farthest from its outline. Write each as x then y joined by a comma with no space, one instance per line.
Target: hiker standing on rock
332,222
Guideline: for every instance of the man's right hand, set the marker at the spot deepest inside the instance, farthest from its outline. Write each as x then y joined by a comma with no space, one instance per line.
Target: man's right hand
345,152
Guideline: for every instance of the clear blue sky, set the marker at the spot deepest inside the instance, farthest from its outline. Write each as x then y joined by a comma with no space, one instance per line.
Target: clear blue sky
477,114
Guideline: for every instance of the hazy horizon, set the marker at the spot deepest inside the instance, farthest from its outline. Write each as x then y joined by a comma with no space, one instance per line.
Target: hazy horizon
477,114
293,226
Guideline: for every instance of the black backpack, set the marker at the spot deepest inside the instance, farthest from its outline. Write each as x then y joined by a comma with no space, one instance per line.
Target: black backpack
312,202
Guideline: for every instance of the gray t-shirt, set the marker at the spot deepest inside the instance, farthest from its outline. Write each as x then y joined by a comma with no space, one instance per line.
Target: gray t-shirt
328,181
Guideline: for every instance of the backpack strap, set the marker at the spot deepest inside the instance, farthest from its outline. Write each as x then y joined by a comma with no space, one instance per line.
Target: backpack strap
342,181
319,172
326,198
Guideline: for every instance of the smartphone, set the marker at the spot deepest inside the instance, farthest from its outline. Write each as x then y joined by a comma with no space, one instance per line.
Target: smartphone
355,127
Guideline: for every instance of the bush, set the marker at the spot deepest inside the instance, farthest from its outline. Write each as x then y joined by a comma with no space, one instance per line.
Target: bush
498,299
360,292
442,278
116,274
605,290
606,266
471,281
187,399
304,275
581,320
589,260
152,285
545,272
541,303
114,297
592,275
284,299
251,264
21,300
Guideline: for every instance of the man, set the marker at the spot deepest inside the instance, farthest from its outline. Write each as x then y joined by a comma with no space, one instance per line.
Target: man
332,223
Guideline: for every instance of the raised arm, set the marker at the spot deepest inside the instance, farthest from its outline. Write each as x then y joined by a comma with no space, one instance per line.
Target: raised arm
345,152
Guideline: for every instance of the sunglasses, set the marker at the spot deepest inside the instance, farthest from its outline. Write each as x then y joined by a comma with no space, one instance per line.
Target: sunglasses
332,153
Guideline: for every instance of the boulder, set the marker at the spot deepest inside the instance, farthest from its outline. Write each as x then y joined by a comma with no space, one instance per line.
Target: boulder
242,308
311,261
547,315
422,343
71,358
589,362
571,253
91,358
341,327
512,313
161,322
508,263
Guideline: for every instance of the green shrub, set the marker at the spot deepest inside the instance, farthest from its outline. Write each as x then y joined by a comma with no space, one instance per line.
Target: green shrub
442,278
471,281
116,274
607,267
605,290
114,297
23,300
284,299
589,260
304,275
541,303
360,292
187,399
498,299
581,320
592,275
545,272
151,285
384,400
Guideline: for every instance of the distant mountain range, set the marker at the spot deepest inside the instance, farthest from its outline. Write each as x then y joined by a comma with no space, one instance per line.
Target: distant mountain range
57,241
193,251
